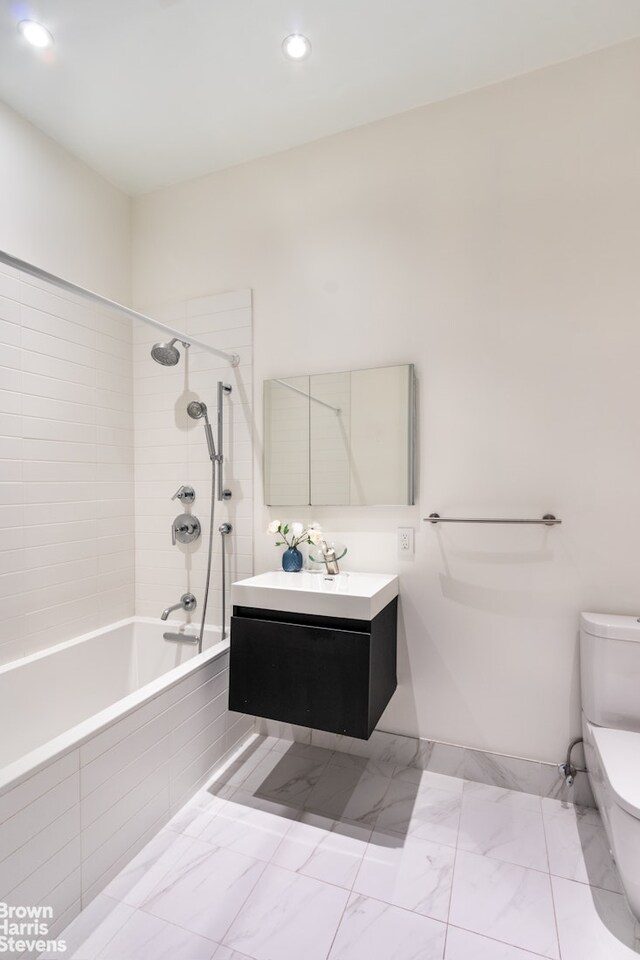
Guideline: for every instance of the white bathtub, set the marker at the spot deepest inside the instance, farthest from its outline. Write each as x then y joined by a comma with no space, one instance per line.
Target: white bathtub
102,739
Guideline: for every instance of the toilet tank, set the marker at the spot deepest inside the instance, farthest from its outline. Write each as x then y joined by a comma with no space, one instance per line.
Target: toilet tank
610,670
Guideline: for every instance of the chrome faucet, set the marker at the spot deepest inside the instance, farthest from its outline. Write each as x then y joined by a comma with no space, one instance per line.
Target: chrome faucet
186,602
330,559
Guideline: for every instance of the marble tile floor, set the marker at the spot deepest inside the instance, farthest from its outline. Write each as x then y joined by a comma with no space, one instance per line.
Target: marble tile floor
295,852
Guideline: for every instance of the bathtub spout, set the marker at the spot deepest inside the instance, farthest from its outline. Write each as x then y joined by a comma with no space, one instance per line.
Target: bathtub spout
186,602
165,613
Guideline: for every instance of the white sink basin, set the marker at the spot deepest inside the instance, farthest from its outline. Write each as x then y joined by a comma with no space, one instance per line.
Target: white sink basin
356,596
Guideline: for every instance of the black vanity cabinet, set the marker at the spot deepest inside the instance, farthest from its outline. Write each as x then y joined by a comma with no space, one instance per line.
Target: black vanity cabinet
326,672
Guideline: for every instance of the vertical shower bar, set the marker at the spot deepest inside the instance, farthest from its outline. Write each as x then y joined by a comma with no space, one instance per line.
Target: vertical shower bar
223,388
225,529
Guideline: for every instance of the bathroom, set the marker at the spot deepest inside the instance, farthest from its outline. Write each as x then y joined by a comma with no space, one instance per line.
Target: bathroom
461,202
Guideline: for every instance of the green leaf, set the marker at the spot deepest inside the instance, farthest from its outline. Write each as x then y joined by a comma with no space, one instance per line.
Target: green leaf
279,543
286,530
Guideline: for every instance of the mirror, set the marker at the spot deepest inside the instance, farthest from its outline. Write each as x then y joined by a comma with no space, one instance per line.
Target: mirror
341,438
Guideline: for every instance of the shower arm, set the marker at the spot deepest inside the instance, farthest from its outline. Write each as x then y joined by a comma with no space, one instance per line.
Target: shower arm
69,287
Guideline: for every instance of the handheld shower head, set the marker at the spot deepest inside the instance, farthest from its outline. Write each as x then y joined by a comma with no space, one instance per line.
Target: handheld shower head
196,411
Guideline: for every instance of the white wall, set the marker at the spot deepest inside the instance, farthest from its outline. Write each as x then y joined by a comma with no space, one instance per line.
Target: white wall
59,214
492,240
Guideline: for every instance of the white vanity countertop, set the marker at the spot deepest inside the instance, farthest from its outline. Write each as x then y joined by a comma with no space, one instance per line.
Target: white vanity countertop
356,596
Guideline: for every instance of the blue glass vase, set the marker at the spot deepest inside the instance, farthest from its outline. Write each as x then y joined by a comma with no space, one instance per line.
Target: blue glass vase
292,560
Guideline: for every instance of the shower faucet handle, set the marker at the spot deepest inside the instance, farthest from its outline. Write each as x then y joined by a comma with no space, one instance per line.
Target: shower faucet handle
185,529
184,494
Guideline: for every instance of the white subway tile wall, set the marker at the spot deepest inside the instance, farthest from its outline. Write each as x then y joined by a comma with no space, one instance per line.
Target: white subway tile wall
171,449
40,839
66,466
94,441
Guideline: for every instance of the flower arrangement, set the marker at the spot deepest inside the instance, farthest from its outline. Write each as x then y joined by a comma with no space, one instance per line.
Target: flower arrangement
293,534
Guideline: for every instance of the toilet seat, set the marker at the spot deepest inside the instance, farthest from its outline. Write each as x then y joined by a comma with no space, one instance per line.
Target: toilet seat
619,753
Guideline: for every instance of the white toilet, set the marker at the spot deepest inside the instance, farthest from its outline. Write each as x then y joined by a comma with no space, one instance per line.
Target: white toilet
610,678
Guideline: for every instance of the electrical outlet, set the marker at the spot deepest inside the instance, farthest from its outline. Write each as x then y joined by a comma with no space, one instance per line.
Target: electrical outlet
405,542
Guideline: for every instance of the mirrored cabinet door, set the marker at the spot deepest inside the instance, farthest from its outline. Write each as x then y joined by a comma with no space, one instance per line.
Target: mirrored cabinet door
341,438
330,433
286,441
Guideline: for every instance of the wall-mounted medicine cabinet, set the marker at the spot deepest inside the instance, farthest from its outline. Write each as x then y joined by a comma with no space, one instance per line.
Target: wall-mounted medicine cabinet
341,438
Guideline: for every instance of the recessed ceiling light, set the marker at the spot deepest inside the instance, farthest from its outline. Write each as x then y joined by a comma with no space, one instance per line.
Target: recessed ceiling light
35,34
296,47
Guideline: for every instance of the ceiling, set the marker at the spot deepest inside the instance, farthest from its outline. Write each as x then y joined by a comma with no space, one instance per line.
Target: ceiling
152,92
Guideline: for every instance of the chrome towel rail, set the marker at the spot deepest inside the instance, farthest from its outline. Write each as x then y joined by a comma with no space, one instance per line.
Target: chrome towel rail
548,520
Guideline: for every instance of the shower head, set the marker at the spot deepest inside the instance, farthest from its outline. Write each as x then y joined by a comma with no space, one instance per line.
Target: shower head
166,353
196,410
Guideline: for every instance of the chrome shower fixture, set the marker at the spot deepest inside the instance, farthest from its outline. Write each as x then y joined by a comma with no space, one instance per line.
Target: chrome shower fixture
196,411
186,602
166,353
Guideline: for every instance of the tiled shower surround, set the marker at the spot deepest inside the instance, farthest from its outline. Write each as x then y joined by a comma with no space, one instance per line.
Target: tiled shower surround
95,441
170,450
66,480
295,850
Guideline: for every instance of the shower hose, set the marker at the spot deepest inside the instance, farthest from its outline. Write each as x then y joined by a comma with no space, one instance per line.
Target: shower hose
209,557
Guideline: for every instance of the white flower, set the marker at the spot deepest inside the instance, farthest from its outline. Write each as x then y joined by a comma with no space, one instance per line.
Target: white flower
274,526
314,526
315,536
297,530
